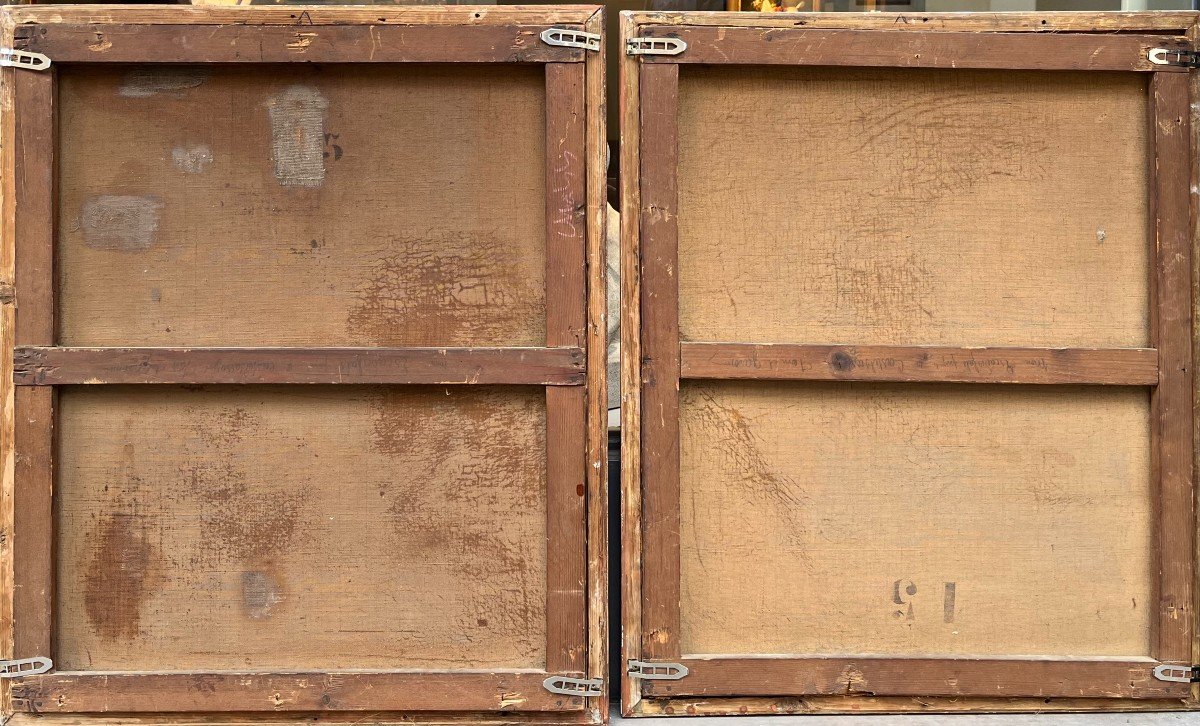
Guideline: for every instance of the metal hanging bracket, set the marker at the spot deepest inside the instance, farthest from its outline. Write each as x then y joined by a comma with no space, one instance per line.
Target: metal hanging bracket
654,46
25,667
582,687
568,38
23,59
1174,57
656,671
1177,673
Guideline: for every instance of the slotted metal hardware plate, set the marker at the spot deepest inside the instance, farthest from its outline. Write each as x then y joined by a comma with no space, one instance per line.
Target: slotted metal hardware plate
568,38
657,671
1177,673
582,687
654,46
23,59
1174,57
25,667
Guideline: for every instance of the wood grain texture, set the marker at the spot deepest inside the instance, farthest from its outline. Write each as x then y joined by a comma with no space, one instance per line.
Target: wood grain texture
920,677
596,171
909,208
1172,400
631,367
1164,22
916,520
1124,367
33,522
34,199
203,528
8,318
53,366
660,360
566,324
352,691
303,43
317,229
34,205
907,49
342,718
865,704
1194,239
293,17
566,205
566,512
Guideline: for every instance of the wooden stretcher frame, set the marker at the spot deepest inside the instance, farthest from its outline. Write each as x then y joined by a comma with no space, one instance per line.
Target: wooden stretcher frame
654,361
571,366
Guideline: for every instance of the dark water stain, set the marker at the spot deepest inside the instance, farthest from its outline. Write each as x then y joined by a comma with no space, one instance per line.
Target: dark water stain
126,569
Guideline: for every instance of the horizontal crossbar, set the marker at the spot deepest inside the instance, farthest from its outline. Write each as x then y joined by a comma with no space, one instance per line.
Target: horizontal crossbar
1095,366
915,49
887,676
51,366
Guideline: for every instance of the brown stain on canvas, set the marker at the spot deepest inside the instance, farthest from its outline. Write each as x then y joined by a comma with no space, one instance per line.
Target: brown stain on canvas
886,291
227,426
906,139
120,223
449,289
147,81
710,423
729,430
298,136
245,521
461,445
1052,487
126,569
242,521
